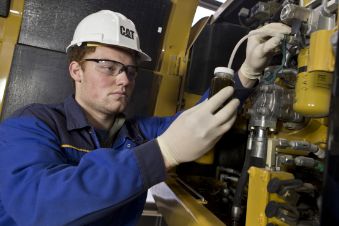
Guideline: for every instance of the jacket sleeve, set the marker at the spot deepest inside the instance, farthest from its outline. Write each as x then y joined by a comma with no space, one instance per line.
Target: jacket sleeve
38,186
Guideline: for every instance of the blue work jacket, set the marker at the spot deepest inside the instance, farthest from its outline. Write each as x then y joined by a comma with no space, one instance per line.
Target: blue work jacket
53,171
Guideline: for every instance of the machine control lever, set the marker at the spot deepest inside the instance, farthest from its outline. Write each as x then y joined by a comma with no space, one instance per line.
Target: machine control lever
286,189
284,212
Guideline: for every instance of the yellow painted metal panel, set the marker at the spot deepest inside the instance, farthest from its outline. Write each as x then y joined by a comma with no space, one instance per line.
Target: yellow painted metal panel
314,132
172,66
9,33
258,196
191,99
168,96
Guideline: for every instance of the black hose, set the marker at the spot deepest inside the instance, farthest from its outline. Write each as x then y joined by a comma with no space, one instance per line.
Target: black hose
236,215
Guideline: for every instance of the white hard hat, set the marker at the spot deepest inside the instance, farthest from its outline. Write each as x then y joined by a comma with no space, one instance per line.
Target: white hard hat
111,28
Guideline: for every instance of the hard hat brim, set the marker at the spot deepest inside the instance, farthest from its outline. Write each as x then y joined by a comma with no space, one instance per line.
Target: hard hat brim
140,54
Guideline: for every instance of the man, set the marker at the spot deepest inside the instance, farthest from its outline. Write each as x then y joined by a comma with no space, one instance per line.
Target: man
81,162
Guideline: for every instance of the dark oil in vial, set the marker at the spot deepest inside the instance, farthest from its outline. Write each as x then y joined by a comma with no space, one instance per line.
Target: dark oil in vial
217,84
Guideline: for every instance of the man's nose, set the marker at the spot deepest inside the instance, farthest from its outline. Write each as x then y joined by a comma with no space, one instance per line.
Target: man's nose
122,78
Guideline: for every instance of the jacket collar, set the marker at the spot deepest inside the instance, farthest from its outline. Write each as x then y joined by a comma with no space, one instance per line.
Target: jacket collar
75,115
76,119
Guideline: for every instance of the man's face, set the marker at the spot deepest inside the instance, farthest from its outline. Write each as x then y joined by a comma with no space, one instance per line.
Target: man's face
100,93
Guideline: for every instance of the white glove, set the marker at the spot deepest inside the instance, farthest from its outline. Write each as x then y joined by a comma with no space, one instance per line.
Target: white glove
260,48
197,129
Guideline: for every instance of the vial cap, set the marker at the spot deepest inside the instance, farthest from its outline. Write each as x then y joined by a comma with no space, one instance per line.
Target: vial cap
224,70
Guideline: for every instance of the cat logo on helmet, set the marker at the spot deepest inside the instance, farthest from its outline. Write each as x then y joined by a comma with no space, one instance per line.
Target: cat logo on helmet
126,32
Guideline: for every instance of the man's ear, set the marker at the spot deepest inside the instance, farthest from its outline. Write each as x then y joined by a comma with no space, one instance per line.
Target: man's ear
75,71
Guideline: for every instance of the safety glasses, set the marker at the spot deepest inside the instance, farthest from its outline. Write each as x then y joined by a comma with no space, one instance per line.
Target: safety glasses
114,68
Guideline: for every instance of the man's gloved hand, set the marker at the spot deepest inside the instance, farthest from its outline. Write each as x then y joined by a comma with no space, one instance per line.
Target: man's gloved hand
197,130
260,48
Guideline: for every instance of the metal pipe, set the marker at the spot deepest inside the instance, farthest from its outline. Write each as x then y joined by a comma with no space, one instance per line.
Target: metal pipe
324,10
259,146
304,161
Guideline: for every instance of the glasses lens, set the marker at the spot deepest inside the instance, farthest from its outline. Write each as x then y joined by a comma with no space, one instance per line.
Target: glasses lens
109,67
131,72
114,68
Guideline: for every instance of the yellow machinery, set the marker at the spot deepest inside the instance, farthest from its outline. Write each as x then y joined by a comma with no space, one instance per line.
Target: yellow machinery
287,119
290,134
173,61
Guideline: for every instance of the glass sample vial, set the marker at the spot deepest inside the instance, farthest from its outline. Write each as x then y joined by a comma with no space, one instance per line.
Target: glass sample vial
223,76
